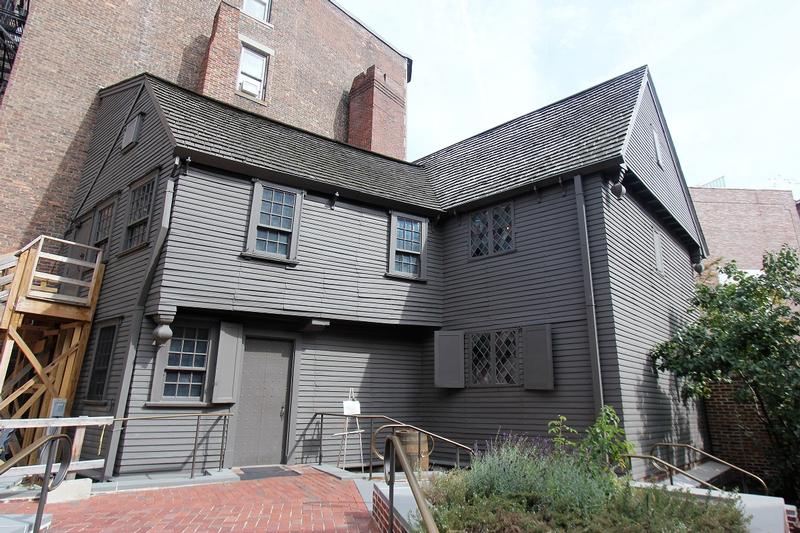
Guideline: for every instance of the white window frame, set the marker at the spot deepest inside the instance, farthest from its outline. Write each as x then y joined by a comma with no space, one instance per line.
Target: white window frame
267,10
250,46
492,251
423,253
254,223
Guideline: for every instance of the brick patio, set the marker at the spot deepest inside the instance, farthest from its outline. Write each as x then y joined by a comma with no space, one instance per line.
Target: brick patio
312,501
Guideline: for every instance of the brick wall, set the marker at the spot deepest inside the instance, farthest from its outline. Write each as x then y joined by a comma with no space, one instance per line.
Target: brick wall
742,224
71,50
380,513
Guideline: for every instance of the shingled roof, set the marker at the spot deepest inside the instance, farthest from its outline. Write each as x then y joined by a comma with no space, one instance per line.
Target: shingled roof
205,125
582,130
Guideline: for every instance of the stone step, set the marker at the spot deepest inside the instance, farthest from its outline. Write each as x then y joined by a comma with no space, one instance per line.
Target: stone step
22,523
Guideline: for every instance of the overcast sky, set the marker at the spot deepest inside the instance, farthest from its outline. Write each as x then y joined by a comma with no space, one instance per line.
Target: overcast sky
727,73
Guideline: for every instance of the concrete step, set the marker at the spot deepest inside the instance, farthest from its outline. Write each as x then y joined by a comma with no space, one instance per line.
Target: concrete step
22,523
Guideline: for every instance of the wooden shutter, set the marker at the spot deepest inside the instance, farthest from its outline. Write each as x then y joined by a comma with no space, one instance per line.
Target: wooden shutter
538,362
449,359
228,370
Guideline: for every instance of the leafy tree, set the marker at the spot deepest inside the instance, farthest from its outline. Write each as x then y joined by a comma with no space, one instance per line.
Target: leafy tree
747,332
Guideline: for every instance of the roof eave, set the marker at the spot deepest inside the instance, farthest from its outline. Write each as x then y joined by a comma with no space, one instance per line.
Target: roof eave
301,182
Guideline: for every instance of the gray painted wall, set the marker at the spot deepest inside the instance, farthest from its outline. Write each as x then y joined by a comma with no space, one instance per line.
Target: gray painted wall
114,171
342,259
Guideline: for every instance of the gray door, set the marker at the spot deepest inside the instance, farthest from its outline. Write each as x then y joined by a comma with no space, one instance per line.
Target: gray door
263,407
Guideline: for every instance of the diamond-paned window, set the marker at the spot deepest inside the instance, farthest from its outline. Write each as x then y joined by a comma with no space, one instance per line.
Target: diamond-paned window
481,347
491,231
185,372
494,357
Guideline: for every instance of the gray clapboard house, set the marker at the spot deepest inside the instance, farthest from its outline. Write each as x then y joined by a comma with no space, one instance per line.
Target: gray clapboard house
261,270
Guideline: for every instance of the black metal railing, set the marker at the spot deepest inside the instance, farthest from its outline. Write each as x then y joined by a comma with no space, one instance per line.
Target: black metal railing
12,25
47,484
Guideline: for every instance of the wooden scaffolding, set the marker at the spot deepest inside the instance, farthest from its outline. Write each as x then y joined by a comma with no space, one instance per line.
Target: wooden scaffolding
48,295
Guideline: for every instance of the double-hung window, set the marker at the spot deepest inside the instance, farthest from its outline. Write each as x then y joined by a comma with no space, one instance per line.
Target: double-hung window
103,350
187,364
258,9
494,357
139,207
491,230
253,65
274,221
101,229
407,254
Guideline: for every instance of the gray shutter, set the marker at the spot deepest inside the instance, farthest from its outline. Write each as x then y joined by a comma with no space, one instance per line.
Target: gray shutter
538,362
449,359
230,353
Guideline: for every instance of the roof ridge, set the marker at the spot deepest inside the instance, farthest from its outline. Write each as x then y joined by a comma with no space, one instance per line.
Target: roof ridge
643,68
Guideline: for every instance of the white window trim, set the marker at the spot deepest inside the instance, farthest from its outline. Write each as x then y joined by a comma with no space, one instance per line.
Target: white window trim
423,255
267,13
260,49
255,210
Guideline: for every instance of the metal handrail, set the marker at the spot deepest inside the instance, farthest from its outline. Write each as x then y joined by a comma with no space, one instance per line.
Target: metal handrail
669,469
47,485
712,457
430,434
393,450
198,416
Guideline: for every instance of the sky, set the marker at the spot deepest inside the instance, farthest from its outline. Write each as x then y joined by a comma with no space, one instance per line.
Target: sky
727,73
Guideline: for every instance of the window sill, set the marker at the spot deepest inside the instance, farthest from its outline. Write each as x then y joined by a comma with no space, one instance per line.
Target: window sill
95,403
498,254
270,258
260,21
253,99
169,404
134,249
403,277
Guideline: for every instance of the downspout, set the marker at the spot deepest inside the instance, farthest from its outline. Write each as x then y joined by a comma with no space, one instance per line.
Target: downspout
136,328
588,290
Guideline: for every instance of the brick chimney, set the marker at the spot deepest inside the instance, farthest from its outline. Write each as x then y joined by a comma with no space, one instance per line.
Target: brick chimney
377,114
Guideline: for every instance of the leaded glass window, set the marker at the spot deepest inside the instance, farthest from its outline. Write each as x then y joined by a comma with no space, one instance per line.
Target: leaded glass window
407,245
102,357
491,230
275,221
141,202
185,371
494,357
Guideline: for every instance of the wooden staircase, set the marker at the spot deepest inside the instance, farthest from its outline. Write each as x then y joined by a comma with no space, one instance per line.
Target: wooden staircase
48,295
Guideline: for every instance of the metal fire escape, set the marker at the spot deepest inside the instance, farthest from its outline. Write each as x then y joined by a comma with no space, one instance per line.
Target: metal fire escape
12,23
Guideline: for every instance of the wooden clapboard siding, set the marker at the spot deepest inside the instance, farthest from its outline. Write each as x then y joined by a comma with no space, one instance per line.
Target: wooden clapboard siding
342,259
647,309
107,174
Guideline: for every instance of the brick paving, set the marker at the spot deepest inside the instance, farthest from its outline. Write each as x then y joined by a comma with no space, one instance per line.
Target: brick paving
313,501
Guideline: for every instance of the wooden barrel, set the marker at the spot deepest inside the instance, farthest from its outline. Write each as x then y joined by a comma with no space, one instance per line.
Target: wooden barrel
416,447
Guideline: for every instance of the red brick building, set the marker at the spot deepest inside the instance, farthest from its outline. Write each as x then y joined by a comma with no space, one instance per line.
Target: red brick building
296,61
740,225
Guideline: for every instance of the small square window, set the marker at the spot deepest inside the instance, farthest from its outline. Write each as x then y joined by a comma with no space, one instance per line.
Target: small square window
258,9
407,245
492,231
494,357
253,72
